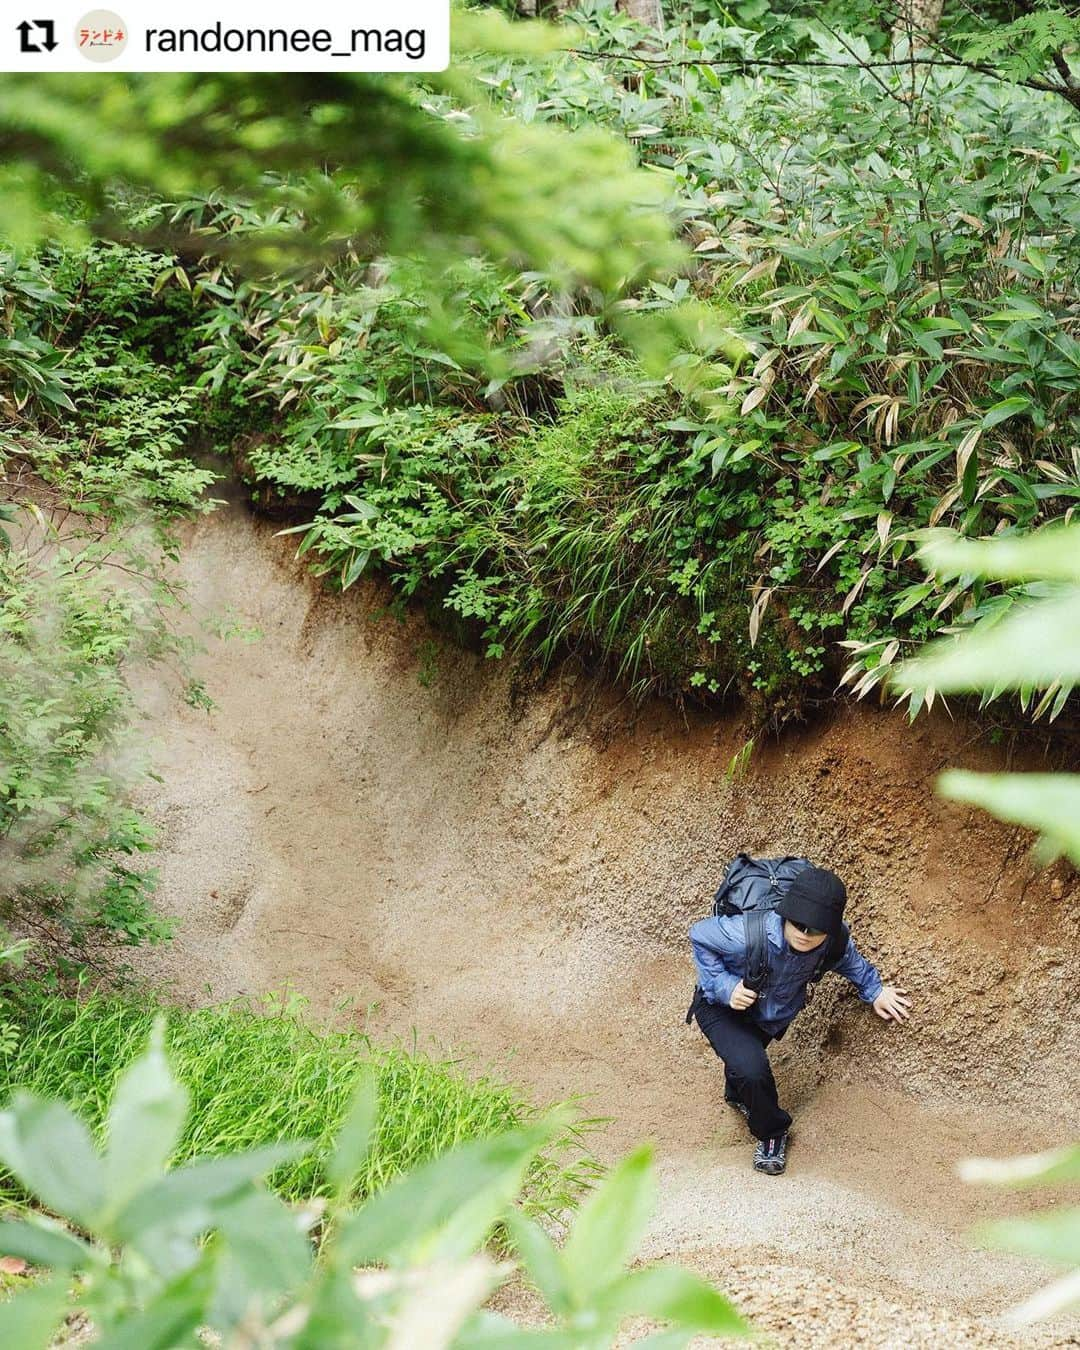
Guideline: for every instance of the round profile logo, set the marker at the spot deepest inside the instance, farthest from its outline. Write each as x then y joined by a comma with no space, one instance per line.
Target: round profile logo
101,35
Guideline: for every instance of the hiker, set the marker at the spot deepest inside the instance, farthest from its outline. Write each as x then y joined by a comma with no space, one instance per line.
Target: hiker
777,927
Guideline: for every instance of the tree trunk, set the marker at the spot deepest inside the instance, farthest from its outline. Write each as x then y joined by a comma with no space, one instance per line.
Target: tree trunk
917,23
647,12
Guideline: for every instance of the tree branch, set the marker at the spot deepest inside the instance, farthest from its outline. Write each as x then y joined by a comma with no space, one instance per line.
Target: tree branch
1069,92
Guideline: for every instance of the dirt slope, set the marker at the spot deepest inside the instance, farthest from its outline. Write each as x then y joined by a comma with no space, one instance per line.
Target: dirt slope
514,877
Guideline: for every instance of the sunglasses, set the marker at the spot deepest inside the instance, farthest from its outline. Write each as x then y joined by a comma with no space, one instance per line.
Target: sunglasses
806,930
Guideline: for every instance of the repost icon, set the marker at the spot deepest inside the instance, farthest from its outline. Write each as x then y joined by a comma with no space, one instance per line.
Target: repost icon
38,35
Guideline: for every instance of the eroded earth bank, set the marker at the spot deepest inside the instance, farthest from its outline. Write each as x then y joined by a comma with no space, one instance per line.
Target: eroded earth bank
512,874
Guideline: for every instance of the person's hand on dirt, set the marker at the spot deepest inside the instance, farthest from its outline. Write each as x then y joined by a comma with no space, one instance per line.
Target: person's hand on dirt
891,1004
741,997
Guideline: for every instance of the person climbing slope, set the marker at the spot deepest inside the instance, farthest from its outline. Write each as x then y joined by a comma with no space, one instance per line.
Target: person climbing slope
777,927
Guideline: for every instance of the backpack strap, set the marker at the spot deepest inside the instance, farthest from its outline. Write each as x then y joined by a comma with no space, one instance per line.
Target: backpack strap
757,951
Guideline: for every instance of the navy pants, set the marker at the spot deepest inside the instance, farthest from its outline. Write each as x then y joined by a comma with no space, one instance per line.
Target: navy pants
748,1076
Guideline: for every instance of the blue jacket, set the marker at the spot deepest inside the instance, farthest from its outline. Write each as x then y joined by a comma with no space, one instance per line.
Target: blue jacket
720,956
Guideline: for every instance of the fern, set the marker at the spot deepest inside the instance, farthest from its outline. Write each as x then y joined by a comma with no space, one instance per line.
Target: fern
1021,49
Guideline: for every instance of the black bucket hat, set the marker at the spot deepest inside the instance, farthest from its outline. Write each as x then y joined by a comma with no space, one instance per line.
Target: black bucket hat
815,898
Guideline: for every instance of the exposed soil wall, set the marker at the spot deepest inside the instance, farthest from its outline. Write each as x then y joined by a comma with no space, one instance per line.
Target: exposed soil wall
514,875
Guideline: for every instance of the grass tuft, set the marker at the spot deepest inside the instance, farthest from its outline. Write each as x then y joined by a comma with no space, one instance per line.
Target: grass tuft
257,1075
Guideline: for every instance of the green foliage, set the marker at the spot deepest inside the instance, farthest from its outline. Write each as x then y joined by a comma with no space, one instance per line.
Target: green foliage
586,534
28,363
1053,1235
164,1257
875,337
884,347
105,416
1028,44
364,158
1041,651
1033,647
903,259
69,837
93,462
257,1074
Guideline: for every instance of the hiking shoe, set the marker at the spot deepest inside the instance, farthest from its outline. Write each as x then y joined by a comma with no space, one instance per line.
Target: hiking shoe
743,1110
770,1156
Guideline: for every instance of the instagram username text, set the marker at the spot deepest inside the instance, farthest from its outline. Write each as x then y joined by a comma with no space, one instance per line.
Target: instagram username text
412,43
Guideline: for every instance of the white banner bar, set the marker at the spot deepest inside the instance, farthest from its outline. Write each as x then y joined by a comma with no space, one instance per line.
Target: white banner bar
194,35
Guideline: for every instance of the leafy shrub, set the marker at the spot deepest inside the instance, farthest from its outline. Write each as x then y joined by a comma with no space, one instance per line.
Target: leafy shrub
895,274
1035,647
169,1256
903,259
256,1075
877,337
70,839
93,470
